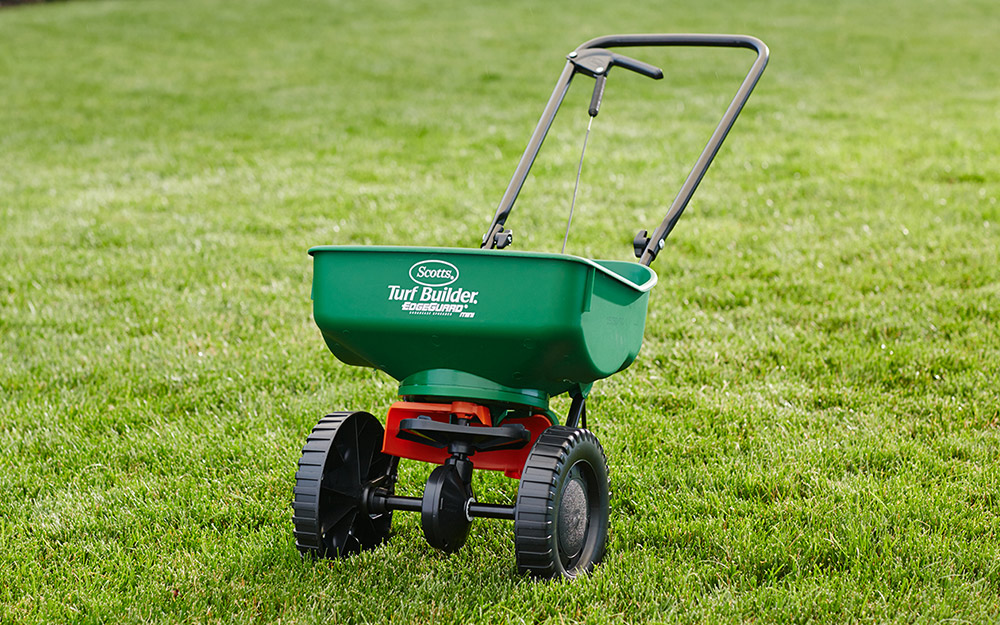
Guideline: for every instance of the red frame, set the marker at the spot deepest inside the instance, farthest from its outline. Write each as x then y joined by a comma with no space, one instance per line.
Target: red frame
510,461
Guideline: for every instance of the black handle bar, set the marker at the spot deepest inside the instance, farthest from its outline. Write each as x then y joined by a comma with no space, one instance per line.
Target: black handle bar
655,241
637,66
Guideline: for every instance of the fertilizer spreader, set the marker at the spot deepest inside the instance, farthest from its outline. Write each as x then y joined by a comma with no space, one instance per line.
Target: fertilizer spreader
479,340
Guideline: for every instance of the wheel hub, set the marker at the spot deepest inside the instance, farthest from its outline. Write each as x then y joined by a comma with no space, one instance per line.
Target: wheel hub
573,517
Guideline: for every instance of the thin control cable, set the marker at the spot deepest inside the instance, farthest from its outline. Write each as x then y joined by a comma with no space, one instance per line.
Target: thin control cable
577,187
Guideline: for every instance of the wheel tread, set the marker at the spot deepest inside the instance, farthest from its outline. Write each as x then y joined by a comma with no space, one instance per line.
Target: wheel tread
535,512
306,504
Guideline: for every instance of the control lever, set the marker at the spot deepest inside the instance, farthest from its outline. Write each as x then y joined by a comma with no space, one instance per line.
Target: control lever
595,100
598,62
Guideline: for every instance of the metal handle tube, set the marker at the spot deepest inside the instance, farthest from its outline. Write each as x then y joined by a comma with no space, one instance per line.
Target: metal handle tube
528,158
687,190
704,160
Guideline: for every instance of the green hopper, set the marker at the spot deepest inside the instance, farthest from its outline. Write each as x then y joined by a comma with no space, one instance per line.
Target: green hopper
497,327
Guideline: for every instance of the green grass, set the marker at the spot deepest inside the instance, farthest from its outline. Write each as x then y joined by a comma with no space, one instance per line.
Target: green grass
810,434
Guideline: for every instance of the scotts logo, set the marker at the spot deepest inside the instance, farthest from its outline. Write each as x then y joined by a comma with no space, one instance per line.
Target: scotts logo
433,273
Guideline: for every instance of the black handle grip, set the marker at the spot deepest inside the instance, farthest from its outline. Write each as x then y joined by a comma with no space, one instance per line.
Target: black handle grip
637,66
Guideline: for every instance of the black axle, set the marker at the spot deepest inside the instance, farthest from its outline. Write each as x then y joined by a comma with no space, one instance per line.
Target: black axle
379,503
447,507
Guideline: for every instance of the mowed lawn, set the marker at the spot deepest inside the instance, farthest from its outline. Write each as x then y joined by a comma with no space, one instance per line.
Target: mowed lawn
811,432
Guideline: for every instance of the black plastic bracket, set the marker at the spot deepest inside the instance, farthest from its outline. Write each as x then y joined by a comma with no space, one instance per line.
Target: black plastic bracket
498,238
640,242
593,62
577,416
503,238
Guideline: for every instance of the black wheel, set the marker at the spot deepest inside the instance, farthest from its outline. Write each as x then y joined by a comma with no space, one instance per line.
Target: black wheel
341,458
561,516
